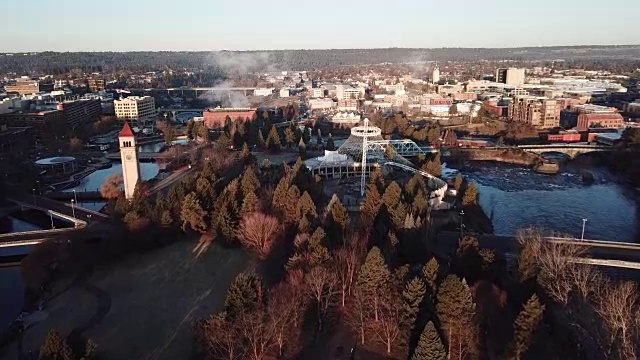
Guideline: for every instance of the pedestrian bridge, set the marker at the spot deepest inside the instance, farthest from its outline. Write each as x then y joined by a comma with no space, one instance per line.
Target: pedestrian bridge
571,150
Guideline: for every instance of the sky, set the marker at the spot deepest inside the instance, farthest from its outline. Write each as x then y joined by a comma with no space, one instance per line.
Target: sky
177,25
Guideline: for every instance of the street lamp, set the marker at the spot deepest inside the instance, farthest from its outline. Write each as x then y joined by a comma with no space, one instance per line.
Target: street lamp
584,222
33,191
51,216
73,209
461,225
75,196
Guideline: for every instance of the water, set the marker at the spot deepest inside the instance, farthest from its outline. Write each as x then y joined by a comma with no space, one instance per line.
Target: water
96,179
517,198
18,225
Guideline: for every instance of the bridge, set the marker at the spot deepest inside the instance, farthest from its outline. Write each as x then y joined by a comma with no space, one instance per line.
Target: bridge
142,156
404,148
600,253
571,150
196,89
78,216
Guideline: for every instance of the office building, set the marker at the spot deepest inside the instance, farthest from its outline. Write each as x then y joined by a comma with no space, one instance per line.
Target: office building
140,110
539,112
25,86
600,120
510,76
347,105
80,112
96,84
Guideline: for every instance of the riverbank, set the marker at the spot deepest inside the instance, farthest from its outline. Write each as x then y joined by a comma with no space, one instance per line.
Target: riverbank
509,155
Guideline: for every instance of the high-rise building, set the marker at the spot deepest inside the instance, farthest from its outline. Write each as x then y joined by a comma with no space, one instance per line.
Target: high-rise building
139,109
129,157
80,112
435,75
510,76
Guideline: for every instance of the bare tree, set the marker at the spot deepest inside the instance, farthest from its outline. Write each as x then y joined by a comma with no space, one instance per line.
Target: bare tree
556,262
284,310
259,232
390,320
618,306
322,286
256,333
221,338
111,188
357,314
586,279
347,262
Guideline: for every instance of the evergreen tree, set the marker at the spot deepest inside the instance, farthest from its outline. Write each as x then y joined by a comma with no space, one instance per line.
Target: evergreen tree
378,180
338,213
392,195
249,182
420,204
192,214
245,154
526,324
273,140
243,295
306,207
261,142
250,203
331,146
470,195
289,137
430,345
373,277
433,167
456,311
280,193
458,182
302,147
291,214
370,206
412,296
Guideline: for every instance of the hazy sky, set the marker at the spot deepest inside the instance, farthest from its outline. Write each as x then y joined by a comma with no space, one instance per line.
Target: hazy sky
73,25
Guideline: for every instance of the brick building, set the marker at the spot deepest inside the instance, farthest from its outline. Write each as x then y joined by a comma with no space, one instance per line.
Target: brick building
536,111
216,118
600,120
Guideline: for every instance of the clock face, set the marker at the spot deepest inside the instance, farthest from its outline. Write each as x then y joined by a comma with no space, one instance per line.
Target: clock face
128,157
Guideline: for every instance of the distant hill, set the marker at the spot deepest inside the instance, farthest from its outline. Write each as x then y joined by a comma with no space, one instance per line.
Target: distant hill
241,61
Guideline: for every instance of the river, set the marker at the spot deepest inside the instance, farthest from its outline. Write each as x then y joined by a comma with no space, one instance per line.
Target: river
516,198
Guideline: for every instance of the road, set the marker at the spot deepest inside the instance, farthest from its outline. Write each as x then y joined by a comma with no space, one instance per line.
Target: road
171,179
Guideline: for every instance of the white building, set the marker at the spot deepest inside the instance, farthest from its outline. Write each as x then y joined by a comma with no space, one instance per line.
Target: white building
321,104
393,88
435,75
263,91
284,92
315,92
510,76
139,109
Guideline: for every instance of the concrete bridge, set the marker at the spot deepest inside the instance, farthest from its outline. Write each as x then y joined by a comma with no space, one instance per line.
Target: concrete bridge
571,150
196,89
142,156
600,252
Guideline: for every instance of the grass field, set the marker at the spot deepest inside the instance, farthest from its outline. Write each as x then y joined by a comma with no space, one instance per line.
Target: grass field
152,301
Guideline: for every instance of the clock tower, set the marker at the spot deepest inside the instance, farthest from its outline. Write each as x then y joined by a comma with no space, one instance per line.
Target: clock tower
129,157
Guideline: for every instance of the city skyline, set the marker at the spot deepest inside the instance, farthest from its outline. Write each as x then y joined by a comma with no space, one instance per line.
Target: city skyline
195,25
